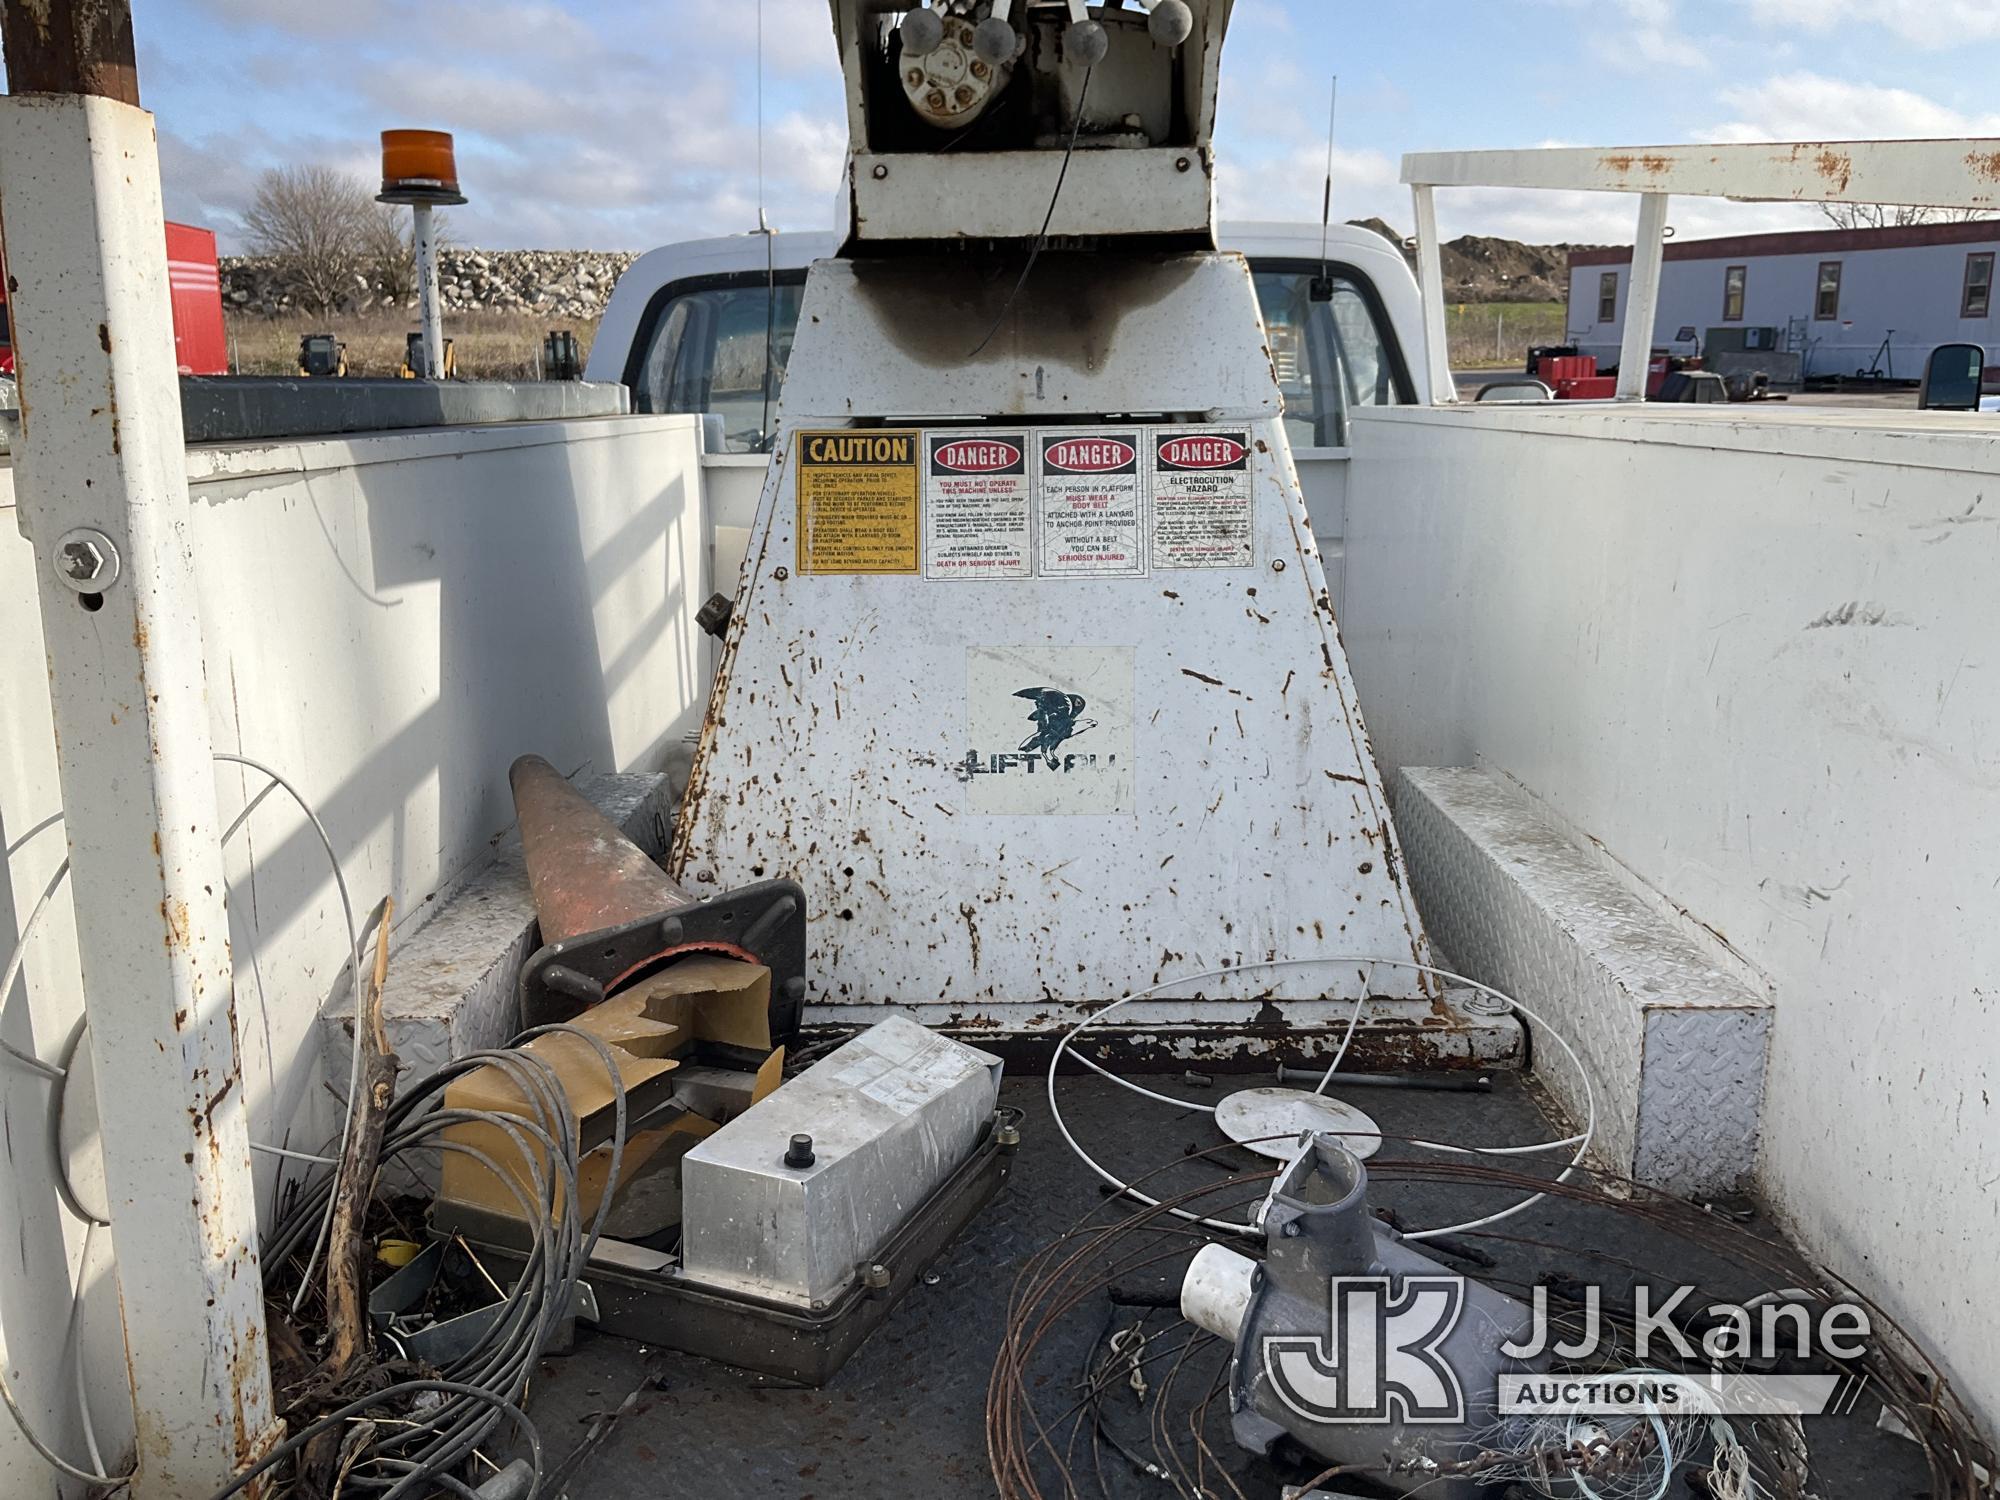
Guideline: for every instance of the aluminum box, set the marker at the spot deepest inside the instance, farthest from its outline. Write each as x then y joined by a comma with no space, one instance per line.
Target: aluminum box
892,1114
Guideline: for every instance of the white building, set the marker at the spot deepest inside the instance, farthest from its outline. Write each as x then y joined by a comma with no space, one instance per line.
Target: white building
1844,300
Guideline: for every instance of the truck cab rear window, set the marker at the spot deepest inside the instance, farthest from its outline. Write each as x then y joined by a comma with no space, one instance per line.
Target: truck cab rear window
703,348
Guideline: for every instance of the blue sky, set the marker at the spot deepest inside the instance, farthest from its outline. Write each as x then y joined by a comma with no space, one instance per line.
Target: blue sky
621,124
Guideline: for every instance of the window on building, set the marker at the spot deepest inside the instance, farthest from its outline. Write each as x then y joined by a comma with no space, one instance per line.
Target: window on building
1978,299
1733,280
1826,304
1607,297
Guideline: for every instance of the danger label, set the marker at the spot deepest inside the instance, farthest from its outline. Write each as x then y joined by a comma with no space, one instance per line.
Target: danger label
1202,498
1092,504
859,497
976,505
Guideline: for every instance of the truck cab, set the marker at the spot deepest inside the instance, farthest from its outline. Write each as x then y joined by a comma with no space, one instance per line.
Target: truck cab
706,327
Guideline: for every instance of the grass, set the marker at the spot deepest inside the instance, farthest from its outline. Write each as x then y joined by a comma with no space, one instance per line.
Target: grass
1497,335
487,345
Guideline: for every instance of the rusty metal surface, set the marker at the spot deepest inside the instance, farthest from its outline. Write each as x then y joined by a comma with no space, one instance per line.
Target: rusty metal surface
586,875
70,47
610,915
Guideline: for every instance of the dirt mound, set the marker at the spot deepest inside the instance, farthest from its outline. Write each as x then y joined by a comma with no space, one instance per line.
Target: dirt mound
1481,268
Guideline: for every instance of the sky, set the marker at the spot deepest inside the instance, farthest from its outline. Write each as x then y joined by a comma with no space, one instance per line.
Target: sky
624,124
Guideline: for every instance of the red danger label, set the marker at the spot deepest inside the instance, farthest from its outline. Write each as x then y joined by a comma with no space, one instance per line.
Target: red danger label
1092,455
1207,450
976,456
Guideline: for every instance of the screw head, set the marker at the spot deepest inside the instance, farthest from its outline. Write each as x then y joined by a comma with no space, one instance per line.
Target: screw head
86,560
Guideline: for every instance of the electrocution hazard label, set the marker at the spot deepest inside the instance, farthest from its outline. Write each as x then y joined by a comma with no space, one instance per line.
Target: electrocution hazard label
1092,503
859,496
976,504
1201,498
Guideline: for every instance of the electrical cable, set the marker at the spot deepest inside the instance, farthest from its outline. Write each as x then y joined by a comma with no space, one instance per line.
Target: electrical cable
49,1456
354,939
1580,1141
1041,238
58,1077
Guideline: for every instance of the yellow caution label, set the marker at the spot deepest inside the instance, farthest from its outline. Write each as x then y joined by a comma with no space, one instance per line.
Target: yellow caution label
859,499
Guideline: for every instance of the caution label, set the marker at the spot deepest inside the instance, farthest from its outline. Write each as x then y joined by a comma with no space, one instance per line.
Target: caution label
1092,503
976,505
1202,499
859,498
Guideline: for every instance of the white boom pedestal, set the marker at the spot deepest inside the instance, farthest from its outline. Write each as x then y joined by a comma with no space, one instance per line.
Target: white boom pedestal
1045,706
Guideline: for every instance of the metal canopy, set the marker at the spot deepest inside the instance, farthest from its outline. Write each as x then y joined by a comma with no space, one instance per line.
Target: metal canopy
1958,173
1961,172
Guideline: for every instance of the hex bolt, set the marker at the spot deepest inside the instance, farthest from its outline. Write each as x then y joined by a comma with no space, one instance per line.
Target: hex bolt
979,68
799,1155
1007,1137
936,99
876,1277
86,560
915,76
963,93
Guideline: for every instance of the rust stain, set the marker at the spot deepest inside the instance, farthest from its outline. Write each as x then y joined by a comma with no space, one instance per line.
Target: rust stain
104,337
175,912
1984,164
1835,166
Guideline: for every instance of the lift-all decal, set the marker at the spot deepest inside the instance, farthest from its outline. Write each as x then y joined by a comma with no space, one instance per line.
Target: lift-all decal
859,498
976,504
1202,497
1049,730
1091,502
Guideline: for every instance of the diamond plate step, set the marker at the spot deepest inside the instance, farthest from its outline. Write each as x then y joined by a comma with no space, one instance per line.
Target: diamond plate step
1676,1047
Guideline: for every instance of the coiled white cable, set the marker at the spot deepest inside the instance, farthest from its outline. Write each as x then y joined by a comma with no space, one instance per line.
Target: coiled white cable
1581,1141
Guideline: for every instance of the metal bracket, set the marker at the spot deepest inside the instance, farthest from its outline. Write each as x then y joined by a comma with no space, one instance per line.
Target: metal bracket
765,923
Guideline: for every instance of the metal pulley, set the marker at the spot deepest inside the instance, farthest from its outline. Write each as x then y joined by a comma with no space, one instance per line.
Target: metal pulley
949,81
609,915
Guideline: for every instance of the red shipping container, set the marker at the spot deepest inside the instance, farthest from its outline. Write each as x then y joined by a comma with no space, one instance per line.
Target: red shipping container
200,345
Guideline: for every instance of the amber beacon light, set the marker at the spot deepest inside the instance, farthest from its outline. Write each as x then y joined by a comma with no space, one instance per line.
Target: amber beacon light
418,166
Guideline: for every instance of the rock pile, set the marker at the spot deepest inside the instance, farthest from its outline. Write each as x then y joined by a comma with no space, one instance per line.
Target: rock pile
549,283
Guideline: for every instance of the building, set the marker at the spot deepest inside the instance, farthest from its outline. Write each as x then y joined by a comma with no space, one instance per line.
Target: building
1842,301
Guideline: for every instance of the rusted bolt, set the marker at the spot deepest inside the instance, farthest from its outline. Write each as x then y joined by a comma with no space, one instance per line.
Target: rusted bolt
86,560
936,99
915,76
963,93
979,68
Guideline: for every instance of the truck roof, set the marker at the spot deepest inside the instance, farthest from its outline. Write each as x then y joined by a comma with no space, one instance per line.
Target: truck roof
728,255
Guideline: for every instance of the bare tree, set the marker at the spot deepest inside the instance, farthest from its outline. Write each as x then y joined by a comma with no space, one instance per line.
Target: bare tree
1893,215
389,251
311,222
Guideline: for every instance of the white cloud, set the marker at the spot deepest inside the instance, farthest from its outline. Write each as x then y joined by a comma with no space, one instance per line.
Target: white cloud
1923,23
1648,39
1810,107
